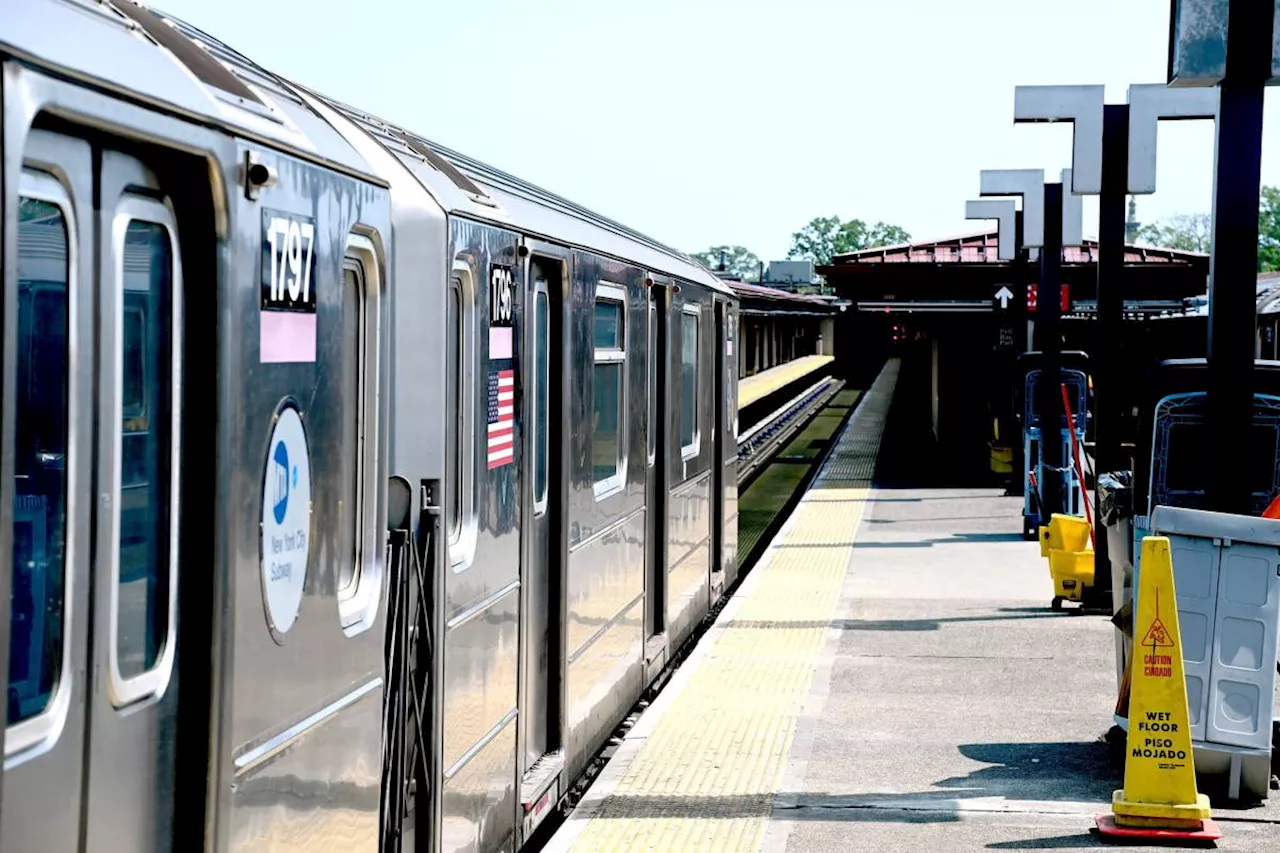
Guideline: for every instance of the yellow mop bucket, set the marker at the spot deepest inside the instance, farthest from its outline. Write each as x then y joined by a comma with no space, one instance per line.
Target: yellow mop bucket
1066,543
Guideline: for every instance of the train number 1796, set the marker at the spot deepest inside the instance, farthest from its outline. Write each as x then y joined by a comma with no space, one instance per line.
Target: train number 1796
502,297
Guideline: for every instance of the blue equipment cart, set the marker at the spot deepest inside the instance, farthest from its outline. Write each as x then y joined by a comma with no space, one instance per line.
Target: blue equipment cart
1075,375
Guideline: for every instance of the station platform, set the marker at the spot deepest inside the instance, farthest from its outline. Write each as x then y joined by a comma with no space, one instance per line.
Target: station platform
764,383
888,677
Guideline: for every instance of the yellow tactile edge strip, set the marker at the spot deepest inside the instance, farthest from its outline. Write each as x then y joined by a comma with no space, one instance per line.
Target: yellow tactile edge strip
700,769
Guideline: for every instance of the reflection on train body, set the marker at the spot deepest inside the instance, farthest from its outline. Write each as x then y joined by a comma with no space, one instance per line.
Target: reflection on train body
36,596
40,482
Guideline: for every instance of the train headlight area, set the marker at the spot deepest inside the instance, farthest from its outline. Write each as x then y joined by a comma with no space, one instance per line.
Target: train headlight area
360,496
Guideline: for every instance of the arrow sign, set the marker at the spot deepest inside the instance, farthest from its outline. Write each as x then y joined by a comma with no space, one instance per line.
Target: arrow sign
1004,294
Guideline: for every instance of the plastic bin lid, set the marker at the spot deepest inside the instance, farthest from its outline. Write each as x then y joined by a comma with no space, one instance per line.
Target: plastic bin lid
1072,358
1180,521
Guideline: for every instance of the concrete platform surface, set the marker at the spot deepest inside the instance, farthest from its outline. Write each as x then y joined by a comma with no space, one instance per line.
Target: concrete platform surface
890,677
953,710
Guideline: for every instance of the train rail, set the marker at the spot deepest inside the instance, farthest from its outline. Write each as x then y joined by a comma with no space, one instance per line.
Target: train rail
761,442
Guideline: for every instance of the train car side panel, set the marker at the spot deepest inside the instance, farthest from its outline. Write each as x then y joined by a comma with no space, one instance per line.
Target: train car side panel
605,573
305,316
481,641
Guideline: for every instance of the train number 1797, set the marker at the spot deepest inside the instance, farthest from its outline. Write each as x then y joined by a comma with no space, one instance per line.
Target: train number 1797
288,263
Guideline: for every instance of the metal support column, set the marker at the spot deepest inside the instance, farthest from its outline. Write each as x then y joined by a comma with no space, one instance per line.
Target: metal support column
1020,269
1049,342
1234,262
1107,369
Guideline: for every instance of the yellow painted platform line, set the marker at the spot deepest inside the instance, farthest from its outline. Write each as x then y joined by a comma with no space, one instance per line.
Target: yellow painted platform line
700,769
766,382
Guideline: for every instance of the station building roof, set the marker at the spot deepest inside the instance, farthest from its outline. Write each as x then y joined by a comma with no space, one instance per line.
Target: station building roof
981,248
962,273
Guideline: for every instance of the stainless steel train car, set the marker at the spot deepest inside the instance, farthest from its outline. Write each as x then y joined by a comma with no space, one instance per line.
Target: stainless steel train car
351,491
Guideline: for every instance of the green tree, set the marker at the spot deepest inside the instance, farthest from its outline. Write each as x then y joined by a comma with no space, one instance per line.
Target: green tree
1194,232
1186,232
1269,230
737,260
826,236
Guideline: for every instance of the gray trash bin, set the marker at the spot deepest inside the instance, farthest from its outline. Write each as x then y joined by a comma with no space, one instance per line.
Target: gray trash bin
1115,517
1226,572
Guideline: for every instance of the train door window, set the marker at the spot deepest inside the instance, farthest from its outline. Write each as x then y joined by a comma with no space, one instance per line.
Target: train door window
459,406
690,318
38,616
145,351
360,576
541,350
609,390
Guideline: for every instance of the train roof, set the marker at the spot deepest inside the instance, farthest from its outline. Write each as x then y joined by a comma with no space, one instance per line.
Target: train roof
144,57
464,185
147,56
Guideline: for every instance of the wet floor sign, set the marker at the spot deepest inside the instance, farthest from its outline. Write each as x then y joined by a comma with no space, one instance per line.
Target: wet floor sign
1159,798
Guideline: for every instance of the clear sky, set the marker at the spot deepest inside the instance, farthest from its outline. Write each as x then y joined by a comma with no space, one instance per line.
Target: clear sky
702,122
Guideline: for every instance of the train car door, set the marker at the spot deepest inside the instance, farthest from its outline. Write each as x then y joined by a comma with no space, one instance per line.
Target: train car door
542,586
722,446
90,741
727,438
655,597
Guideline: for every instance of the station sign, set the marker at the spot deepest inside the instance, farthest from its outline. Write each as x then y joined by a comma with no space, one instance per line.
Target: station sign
1198,42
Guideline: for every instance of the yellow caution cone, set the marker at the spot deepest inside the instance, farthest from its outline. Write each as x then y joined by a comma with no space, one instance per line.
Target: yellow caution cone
1159,798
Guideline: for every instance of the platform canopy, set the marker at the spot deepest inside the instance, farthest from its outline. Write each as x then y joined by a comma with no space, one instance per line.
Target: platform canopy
962,274
759,299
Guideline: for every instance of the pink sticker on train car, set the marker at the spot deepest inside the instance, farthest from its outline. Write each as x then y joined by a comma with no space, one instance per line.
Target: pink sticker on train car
500,343
287,327
287,337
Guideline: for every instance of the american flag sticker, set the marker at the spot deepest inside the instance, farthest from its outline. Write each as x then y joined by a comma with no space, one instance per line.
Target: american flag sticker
501,418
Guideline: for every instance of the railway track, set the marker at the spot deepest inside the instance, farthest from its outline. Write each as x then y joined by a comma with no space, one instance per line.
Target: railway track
762,441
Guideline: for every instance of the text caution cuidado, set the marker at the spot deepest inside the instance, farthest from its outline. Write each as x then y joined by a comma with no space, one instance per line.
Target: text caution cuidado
1159,798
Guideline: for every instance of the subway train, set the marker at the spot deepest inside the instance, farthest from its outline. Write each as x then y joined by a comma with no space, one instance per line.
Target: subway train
355,490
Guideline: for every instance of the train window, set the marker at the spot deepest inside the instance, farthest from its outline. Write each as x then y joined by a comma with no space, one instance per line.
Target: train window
37,605
689,432
540,397
360,576
459,416
145,518
352,368
609,390
452,408
651,383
